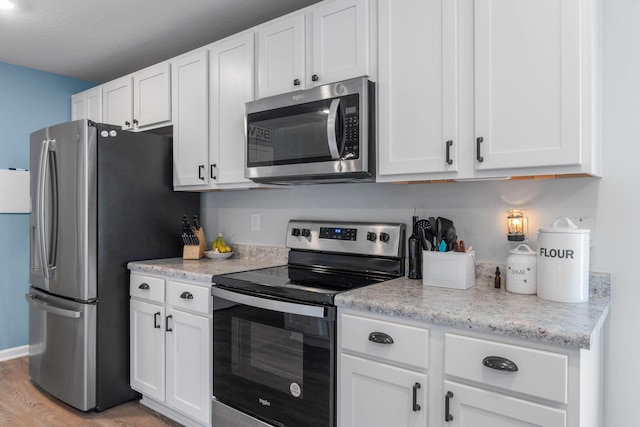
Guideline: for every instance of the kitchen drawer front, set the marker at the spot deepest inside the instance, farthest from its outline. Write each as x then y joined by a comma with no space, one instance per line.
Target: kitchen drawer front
410,344
195,298
539,373
146,287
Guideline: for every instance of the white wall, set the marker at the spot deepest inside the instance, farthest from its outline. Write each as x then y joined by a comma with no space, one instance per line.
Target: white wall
479,208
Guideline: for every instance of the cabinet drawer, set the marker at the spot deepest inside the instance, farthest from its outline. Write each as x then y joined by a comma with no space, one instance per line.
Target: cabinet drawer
190,297
539,373
410,344
149,288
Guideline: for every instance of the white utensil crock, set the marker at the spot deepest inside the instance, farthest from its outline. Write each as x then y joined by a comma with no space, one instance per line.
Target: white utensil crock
521,270
563,262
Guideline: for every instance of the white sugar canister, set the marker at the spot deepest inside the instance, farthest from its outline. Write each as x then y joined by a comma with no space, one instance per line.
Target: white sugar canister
563,262
521,270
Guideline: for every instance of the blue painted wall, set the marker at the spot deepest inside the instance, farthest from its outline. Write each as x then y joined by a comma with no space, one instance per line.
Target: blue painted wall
29,100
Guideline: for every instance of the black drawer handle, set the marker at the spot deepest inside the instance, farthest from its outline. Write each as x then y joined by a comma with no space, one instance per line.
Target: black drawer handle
448,159
380,338
479,157
500,364
166,323
186,295
156,316
144,287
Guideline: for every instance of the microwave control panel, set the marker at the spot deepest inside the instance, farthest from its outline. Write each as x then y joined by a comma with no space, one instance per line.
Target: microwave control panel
351,127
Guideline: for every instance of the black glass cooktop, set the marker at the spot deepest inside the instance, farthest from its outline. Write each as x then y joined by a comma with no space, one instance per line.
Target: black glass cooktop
296,283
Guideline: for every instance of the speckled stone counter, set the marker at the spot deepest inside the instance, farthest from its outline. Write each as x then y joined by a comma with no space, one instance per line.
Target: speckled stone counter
203,270
483,308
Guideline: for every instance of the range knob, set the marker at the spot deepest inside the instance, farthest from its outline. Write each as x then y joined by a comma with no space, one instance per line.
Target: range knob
384,237
306,232
295,232
371,236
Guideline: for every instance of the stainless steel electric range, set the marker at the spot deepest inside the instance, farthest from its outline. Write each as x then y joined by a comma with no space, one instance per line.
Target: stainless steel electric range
274,334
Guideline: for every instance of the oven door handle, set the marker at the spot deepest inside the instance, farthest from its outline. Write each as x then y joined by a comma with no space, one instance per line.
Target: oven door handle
270,304
332,122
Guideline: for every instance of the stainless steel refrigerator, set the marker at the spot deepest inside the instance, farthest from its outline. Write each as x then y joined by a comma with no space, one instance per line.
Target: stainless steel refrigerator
101,197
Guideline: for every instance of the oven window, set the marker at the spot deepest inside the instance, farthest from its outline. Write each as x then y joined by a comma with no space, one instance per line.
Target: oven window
268,355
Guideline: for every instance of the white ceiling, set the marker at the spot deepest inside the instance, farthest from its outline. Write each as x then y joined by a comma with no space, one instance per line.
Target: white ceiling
99,40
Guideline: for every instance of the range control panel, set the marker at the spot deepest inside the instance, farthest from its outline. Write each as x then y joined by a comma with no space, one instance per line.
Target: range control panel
362,238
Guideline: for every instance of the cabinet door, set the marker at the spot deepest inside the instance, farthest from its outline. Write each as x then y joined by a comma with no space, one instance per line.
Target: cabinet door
232,84
117,103
78,106
281,57
189,374
417,88
474,407
340,43
527,83
152,96
373,394
87,105
190,112
147,349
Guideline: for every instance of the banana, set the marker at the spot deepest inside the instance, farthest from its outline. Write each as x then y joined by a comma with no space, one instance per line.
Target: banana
219,245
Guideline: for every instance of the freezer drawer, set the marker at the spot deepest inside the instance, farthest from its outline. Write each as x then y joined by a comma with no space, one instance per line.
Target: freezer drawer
62,348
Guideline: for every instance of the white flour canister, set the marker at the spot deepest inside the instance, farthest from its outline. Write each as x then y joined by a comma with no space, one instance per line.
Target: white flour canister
563,262
521,270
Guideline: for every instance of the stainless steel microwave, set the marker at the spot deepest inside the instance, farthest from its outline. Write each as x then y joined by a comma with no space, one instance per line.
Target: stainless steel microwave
320,135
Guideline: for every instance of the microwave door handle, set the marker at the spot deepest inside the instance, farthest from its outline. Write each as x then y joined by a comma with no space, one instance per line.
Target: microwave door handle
332,122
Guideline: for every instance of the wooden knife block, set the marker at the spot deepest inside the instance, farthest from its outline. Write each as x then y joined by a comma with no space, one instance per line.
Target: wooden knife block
196,251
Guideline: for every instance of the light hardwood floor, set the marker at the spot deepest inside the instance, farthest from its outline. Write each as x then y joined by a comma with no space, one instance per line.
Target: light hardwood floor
23,405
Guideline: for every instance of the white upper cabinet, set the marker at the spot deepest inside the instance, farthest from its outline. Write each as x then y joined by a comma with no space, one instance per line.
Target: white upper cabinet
139,101
87,105
190,111
528,78
512,83
281,59
152,96
326,43
232,84
417,94
117,102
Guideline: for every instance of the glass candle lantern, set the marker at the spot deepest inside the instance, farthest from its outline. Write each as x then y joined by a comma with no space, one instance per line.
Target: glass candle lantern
516,225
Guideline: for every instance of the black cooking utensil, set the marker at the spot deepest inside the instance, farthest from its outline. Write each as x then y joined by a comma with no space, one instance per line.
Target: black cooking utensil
447,232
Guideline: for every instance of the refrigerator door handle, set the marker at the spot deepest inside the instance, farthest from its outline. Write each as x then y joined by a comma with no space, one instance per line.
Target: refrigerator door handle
48,265
33,299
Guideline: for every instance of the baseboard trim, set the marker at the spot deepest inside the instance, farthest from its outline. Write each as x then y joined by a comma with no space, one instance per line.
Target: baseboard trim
14,353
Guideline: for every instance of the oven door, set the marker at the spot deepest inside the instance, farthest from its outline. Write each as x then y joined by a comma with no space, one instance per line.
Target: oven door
274,360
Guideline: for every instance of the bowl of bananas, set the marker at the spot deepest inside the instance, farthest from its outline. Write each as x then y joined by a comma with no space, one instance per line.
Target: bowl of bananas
219,249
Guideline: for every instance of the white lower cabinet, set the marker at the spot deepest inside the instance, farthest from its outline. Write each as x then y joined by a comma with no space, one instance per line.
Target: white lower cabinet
388,366
382,373
171,347
382,395
476,407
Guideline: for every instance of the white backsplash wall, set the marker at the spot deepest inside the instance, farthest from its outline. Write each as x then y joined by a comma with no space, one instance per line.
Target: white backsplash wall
478,209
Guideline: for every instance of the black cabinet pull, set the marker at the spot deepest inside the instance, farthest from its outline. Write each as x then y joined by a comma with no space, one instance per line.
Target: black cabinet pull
212,174
186,295
315,78
447,416
380,338
127,123
416,387
166,323
500,364
448,156
479,157
200,172
296,82
144,287
156,316
135,121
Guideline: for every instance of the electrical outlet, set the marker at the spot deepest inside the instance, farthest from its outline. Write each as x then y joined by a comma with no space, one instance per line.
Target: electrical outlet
255,222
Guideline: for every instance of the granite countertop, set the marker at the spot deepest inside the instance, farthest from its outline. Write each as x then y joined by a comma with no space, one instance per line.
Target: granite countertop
202,270
483,308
